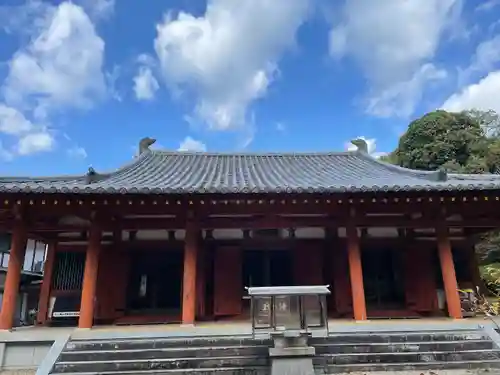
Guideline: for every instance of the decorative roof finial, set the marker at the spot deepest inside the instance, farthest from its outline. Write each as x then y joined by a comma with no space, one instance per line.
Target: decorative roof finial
145,143
91,176
361,145
442,175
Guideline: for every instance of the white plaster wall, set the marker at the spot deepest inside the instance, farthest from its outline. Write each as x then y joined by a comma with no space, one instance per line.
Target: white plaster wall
425,230
180,234
227,234
383,232
310,233
160,234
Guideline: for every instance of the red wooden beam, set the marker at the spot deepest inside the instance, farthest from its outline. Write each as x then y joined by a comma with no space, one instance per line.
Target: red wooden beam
118,204
264,222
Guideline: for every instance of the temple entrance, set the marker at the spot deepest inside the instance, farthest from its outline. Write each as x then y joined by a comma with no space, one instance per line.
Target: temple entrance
267,268
383,282
155,284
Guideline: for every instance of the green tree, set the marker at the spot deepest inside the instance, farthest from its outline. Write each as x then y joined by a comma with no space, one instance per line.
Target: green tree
488,120
439,138
466,142
458,142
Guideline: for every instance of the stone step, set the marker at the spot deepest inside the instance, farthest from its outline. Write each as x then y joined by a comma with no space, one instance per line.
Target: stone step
160,343
198,371
411,366
375,337
450,356
440,346
160,364
153,353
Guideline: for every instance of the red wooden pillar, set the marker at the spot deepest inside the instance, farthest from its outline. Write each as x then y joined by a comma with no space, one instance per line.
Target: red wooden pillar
43,301
356,273
87,304
448,271
201,282
189,278
13,277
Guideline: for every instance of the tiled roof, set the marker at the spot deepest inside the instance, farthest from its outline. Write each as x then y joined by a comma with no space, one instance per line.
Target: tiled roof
184,172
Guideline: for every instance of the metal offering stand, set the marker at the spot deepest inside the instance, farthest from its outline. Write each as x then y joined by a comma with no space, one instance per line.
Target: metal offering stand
289,308
289,314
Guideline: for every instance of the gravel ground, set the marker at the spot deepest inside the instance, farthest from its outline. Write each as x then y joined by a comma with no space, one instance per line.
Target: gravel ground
437,372
428,372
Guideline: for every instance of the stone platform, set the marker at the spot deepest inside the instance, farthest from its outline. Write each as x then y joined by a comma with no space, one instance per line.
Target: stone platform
24,348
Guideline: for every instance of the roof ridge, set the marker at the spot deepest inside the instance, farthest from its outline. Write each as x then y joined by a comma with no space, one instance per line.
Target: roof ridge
252,153
4,179
428,175
78,177
126,166
475,176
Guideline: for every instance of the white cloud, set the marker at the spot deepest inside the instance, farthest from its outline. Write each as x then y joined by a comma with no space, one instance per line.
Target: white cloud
77,152
488,5
31,138
24,19
190,144
13,122
391,40
34,143
482,95
227,58
401,98
98,9
60,68
372,146
145,84
485,58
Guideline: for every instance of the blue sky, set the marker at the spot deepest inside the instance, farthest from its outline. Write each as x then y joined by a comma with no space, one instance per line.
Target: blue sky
82,81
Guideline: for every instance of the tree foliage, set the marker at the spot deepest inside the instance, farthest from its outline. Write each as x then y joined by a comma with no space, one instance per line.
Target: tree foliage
466,142
457,142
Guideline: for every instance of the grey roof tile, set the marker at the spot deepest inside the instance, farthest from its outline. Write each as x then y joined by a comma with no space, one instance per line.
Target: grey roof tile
181,172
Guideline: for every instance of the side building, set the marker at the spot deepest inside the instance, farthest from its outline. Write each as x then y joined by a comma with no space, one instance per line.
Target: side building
177,236
31,277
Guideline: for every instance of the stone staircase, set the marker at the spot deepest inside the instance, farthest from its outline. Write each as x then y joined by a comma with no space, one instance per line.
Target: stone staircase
208,355
405,351
339,353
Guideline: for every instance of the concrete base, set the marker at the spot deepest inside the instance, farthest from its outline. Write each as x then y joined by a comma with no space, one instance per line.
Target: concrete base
292,366
292,352
291,355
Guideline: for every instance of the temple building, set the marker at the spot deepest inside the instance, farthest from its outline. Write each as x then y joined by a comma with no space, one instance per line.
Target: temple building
175,237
